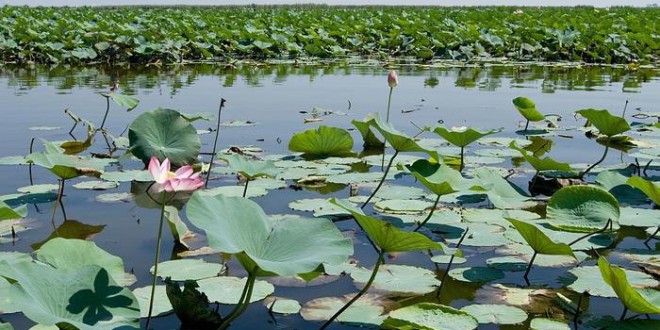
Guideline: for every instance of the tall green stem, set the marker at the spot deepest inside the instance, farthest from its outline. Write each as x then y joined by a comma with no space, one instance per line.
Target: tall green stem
158,244
430,214
598,162
107,110
389,165
215,141
389,102
243,303
245,189
360,294
460,169
607,224
529,267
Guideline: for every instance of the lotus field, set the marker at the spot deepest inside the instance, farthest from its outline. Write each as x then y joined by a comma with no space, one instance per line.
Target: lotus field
372,221
171,35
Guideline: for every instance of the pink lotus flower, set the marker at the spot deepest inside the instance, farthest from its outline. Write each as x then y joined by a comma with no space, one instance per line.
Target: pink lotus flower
392,79
184,179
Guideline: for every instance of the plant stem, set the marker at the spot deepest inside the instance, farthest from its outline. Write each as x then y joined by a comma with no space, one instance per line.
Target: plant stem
215,141
107,110
451,261
30,165
651,237
360,294
462,157
623,315
245,189
430,214
389,101
381,180
529,267
526,125
608,223
242,305
577,311
596,163
60,193
158,243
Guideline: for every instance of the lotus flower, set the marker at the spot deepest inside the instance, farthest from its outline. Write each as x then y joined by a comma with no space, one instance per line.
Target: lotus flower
184,179
392,79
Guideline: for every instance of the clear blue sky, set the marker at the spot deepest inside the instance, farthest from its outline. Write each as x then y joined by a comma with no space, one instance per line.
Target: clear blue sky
598,3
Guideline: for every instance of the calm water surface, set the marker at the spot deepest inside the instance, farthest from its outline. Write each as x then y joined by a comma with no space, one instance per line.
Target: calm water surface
278,98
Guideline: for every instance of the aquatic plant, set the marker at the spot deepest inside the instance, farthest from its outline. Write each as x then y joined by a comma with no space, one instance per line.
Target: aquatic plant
462,137
608,125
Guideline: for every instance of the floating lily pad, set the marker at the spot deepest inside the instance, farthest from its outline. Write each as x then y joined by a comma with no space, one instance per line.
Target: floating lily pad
590,279
228,289
476,274
399,192
38,188
161,304
398,278
484,235
188,269
430,316
444,259
68,166
496,217
127,176
497,314
13,160
236,191
401,206
324,141
249,168
282,305
508,264
541,323
44,128
368,310
639,217
115,197
72,254
96,185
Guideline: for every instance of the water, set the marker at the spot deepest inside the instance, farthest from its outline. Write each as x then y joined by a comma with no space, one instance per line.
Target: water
274,96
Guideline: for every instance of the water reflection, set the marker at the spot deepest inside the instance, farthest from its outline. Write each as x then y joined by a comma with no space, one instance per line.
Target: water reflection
171,78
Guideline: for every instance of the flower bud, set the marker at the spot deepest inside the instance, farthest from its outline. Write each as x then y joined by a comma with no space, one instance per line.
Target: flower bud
392,79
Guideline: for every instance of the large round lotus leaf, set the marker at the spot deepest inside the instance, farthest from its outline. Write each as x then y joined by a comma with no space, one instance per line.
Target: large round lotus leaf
164,133
162,304
497,314
527,109
86,298
398,278
541,323
582,208
282,305
430,316
72,254
228,289
287,247
368,310
324,141
476,274
605,122
590,279
188,269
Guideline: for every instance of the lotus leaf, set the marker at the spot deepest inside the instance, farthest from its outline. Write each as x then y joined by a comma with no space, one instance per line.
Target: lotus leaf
6,212
250,169
188,269
288,247
430,316
616,278
590,279
542,164
497,314
527,109
324,142
606,123
164,133
582,208
368,310
539,241
462,136
68,166
125,101
398,279
227,289
282,305
649,188
541,323
161,304
398,140
476,274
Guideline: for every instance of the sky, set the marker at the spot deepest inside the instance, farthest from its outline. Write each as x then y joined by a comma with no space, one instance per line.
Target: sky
597,3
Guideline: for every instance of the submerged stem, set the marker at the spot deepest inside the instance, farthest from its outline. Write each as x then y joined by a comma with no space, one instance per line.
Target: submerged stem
430,214
389,165
451,261
359,294
215,141
157,259
582,174
60,193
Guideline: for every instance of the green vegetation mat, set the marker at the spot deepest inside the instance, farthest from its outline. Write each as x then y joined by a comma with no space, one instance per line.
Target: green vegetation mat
163,35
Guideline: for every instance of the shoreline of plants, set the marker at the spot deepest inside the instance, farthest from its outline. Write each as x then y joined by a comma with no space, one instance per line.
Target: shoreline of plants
224,34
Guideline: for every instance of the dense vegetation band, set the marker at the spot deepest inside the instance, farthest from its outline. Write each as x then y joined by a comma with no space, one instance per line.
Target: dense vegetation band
165,35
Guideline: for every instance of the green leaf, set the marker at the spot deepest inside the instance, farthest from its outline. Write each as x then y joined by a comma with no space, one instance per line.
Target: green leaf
606,123
192,306
366,311
368,136
385,235
582,208
6,212
324,141
161,303
527,109
398,140
251,169
631,298
439,178
541,164
502,193
63,253
68,166
228,289
497,314
282,305
429,316
539,241
649,188
462,136
398,278
188,269
125,101
590,279
287,247
86,298
165,134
